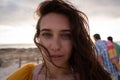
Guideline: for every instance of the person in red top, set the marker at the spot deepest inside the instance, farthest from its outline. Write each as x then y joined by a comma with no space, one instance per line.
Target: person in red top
112,54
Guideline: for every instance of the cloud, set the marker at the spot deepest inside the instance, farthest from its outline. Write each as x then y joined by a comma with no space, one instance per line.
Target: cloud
16,12
17,17
108,8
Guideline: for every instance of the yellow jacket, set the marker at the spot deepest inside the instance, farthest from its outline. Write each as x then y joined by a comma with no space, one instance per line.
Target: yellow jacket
23,73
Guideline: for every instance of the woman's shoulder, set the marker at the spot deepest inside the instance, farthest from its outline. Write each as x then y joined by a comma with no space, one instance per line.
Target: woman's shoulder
37,67
23,73
29,65
36,70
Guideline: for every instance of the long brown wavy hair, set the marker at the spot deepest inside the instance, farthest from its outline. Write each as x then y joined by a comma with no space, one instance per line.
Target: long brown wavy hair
83,59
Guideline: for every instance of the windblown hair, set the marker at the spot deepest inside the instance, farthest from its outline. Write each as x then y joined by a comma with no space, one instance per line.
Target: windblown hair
83,58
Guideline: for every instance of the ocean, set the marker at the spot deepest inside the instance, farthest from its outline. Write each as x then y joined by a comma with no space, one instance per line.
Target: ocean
17,46
22,45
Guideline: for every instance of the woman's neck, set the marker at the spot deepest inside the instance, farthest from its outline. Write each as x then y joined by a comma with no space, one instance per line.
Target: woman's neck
52,72
60,70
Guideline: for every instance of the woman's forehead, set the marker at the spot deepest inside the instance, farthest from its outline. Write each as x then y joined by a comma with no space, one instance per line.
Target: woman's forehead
54,20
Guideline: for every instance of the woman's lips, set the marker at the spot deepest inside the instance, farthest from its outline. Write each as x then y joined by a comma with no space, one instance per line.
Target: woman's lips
56,57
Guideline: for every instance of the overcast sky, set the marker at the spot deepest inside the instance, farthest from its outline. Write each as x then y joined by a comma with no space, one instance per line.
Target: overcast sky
17,19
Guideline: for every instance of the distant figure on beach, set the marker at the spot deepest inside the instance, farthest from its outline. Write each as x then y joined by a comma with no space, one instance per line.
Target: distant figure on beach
62,36
117,46
117,49
107,55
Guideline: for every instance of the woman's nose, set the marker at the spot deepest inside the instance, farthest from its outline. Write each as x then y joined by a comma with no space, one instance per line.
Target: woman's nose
56,44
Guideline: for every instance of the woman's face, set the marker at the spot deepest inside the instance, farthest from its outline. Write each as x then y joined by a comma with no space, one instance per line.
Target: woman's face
55,35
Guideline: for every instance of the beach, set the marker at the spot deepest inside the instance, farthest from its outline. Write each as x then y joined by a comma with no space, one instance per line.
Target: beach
13,58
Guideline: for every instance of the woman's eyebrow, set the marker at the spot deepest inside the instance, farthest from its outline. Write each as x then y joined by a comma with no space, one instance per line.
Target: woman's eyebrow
63,30
45,30
66,30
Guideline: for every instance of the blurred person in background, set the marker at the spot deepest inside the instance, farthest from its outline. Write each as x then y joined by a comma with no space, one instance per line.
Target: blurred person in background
117,48
106,55
116,45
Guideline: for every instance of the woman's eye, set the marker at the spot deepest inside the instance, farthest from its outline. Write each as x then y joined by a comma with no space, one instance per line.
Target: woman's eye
47,35
66,36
